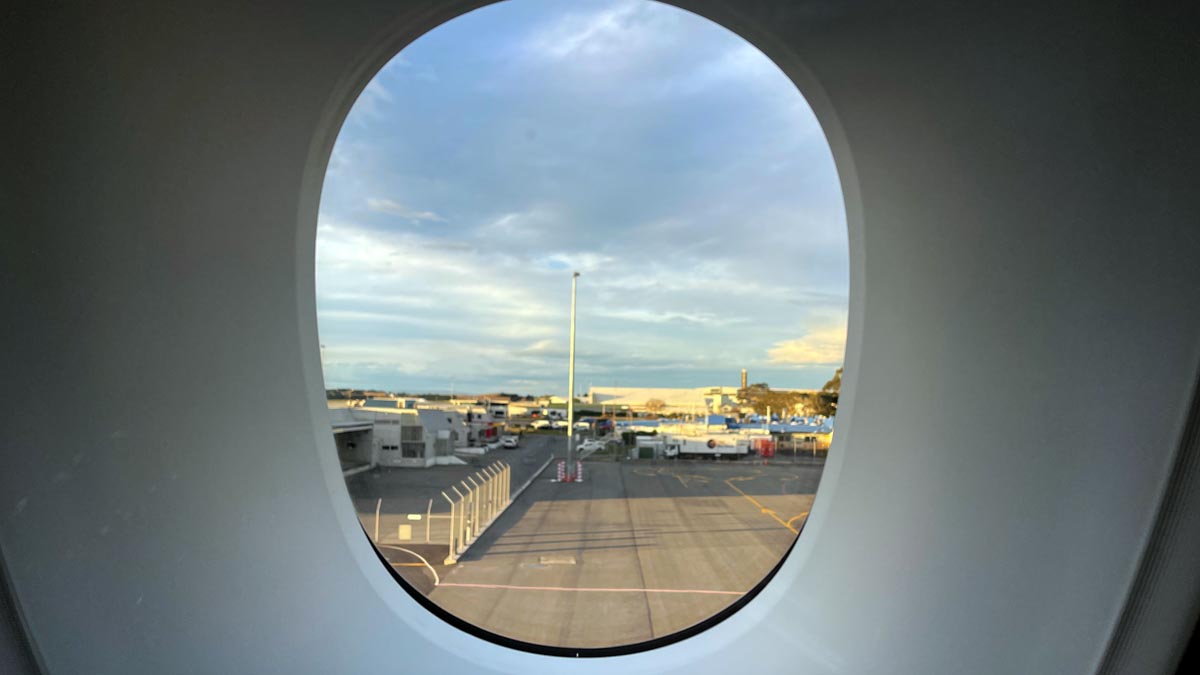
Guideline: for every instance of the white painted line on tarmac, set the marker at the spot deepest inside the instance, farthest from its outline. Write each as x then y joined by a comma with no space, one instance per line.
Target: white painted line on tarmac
506,587
424,562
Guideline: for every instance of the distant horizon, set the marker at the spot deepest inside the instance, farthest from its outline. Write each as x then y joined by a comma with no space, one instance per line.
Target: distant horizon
660,155
584,392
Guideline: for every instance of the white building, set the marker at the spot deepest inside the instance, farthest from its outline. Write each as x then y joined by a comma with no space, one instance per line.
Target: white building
522,409
399,436
354,437
446,428
699,400
406,432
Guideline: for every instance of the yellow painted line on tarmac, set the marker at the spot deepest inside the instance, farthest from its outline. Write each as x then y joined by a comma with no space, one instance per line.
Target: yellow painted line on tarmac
684,478
769,512
795,518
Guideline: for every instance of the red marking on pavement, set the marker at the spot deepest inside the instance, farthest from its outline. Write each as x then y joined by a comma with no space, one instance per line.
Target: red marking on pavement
589,590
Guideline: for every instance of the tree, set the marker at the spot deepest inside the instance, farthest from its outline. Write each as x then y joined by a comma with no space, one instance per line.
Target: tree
810,402
655,405
834,385
827,399
782,402
761,397
748,395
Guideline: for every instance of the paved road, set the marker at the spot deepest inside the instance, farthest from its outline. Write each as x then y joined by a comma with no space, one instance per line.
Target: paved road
637,551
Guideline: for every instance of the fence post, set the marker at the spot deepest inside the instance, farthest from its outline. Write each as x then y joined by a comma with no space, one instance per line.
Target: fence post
482,499
497,480
462,520
450,539
493,491
476,519
378,506
491,494
500,485
469,510
482,490
486,476
507,484
428,519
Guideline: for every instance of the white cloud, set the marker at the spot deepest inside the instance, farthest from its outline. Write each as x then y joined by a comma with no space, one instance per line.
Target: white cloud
397,209
582,262
396,301
529,227
588,34
346,316
506,224
737,64
365,270
626,140
648,316
543,348
821,346
371,102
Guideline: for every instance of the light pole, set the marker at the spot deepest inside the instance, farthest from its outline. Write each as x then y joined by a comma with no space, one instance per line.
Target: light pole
571,389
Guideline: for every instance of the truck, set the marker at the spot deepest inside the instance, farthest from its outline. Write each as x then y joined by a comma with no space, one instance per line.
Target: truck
710,447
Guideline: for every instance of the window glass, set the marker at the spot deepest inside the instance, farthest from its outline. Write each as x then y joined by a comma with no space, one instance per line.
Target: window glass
582,294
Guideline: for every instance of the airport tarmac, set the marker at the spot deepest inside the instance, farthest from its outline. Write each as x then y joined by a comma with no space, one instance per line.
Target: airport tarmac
637,551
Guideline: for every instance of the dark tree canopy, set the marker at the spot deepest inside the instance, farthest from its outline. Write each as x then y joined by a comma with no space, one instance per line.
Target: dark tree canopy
834,385
761,397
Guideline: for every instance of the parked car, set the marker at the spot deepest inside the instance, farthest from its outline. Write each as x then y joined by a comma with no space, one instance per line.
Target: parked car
509,442
541,424
558,424
583,425
591,445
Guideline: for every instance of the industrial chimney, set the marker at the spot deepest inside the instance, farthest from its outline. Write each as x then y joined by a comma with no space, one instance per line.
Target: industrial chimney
743,378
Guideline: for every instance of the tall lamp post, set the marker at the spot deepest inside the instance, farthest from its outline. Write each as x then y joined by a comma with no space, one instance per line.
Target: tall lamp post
571,389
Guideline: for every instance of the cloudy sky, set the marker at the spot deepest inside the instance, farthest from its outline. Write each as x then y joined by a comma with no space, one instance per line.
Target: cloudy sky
664,158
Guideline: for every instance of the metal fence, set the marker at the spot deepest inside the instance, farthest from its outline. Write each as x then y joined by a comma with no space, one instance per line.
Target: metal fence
801,447
474,503
483,497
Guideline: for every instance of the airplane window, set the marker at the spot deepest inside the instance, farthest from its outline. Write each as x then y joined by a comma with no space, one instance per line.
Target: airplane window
582,280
